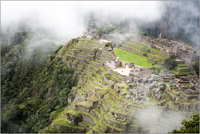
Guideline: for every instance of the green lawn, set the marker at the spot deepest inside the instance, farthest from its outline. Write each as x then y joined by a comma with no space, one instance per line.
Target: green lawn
141,46
131,57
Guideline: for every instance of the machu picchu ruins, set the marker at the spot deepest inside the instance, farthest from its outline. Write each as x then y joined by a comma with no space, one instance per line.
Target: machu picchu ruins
113,96
100,67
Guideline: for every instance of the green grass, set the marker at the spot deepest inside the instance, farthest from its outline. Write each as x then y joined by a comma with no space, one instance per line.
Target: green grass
182,65
97,113
116,75
63,122
88,71
104,70
115,127
54,130
85,104
110,100
106,55
74,113
105,83
82,91
104,102
106,117
135,48
88,124
93,83
119,121
57,112
89,132
89,40
95,62
158,55
89,85
141,46
127,57
99,75
91,116
176,72
87,90
95,79
156,50
101,92
86,46
96,129
108,76
93,98
133,125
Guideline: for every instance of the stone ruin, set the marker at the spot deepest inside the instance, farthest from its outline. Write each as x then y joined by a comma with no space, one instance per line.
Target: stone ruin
91,35
166,47
93,99
116,63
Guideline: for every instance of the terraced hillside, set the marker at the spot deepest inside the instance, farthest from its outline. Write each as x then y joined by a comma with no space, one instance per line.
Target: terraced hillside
102,101
151,55
93,99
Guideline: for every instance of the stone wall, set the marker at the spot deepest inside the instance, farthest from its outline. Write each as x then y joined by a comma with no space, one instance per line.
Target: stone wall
87,47
68,129
153,52
152,61
164,53
182,70
132,50
158,58
192,107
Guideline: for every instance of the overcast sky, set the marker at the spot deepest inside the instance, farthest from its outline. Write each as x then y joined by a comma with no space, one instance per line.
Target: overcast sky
66,17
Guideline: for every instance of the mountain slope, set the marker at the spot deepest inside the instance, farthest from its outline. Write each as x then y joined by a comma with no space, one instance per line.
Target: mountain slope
31,87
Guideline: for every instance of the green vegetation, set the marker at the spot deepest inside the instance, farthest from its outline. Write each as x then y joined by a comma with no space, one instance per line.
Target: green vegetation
108,76
195,65
77,114
34,82
135,48
96,129
117,75
92,117
89,132
156,50
53,130
105,30
63,122
57,112
138,45
170,64
85,104
115,127
127,57
93,98
191,126
97,112
176,72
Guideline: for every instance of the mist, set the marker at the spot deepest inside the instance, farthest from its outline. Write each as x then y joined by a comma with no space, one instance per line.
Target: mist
69,19
66,19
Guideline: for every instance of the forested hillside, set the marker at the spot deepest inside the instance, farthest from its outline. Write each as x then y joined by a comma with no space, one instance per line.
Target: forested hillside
34,81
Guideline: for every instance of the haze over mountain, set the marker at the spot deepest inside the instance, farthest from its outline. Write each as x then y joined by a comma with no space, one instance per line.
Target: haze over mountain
36,80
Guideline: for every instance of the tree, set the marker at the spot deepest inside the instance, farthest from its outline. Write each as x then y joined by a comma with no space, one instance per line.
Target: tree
170,63
191,126
196,67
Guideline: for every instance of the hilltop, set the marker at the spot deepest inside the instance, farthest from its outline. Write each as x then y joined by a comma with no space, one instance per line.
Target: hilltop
105,100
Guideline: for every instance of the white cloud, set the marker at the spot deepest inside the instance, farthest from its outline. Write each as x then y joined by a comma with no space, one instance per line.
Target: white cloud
65,18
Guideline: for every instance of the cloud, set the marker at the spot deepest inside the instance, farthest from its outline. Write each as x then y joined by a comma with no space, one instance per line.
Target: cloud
66,18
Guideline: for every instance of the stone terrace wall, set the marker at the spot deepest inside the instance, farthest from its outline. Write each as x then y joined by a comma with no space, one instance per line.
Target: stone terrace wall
164,53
